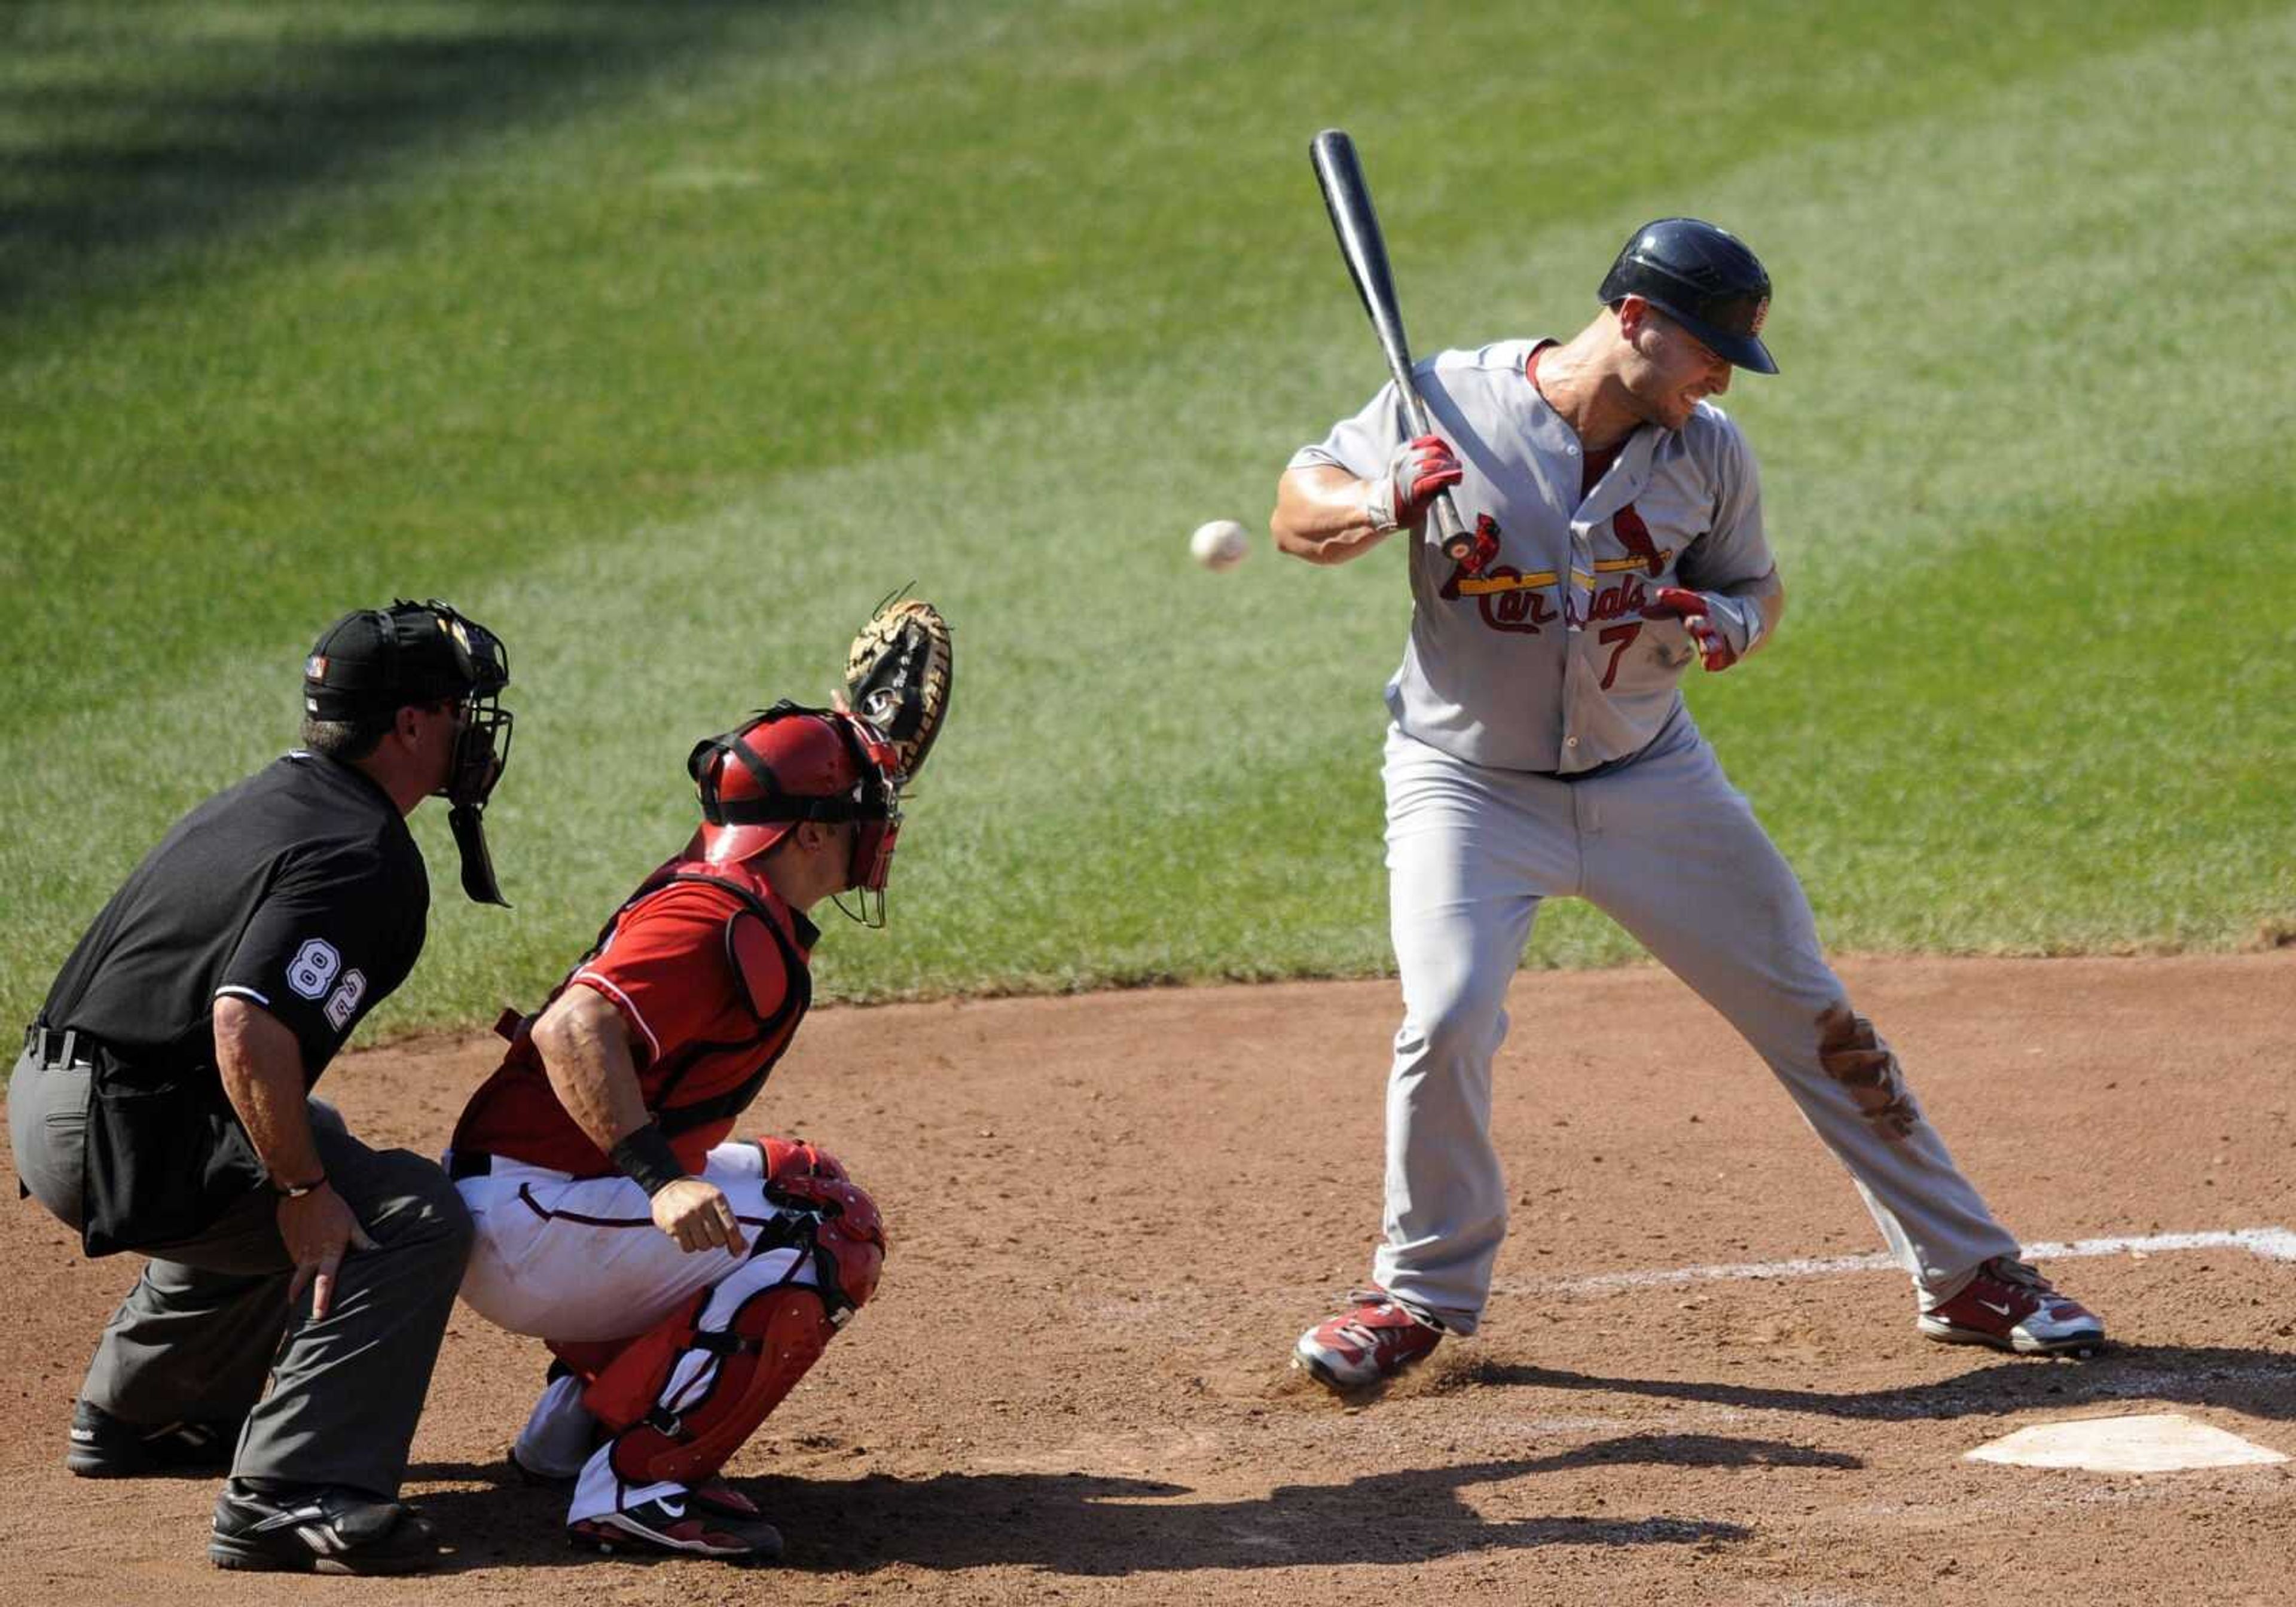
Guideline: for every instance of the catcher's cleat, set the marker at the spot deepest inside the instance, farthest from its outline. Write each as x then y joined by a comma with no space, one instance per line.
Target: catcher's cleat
721,1499
324,1529
712,1495
1373,1341
2009,1305
678,1526
103,1447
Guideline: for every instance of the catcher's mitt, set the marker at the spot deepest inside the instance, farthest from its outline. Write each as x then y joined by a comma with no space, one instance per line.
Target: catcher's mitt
898,677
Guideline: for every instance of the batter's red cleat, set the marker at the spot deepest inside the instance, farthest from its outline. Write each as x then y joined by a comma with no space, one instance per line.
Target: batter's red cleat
2011,1306
1374,1340
678,1526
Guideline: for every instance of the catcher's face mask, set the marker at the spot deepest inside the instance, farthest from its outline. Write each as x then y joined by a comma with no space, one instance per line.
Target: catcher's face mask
791,764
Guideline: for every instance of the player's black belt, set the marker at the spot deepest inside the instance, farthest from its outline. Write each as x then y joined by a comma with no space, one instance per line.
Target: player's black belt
469,1163
47,1049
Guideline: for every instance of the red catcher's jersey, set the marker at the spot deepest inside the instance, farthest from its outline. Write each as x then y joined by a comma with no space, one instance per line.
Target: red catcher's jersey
708,968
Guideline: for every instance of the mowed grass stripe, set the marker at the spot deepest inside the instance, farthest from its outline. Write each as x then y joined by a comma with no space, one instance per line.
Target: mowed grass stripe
846,230
1155,774
2055,740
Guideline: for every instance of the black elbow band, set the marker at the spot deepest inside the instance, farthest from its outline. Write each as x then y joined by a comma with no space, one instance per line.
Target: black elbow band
646,1160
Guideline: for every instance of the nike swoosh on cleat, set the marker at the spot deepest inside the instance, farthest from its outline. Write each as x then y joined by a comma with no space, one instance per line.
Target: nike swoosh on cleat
1989,1306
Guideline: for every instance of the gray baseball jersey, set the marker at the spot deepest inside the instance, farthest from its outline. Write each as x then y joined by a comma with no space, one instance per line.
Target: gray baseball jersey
1533,654
1541,749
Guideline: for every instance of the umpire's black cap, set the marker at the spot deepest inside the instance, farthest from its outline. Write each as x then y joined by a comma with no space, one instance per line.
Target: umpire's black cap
378,659
1702,278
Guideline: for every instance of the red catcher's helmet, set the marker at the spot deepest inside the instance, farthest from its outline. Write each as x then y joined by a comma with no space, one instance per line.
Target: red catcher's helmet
791,763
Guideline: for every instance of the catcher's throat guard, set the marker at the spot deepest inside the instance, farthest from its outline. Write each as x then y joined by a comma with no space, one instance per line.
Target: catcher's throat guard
791,764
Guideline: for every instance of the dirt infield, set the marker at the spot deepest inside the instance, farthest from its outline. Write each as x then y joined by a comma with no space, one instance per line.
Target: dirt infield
1112,1214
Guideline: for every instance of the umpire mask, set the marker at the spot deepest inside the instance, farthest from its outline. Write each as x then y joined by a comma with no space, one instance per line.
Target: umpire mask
382,660
481,750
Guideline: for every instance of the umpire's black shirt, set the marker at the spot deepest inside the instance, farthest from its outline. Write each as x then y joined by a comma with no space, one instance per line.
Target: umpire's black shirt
300,889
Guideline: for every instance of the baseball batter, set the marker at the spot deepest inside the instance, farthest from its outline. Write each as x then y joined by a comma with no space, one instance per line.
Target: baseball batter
1540,748
684,1282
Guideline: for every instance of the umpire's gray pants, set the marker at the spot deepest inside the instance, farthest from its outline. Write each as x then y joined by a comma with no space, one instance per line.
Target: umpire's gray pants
1673,853
208,1318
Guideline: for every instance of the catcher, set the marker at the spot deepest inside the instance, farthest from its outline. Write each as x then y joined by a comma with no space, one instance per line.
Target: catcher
685,1282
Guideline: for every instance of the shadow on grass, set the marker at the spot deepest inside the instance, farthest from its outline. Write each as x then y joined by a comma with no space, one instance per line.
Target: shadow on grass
1087,1525
134,130
2259,1382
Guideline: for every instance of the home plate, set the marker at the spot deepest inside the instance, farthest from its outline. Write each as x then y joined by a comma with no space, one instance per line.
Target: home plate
2161,1443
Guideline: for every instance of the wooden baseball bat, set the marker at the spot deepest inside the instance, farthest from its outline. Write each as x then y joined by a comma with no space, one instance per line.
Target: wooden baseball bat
1348,199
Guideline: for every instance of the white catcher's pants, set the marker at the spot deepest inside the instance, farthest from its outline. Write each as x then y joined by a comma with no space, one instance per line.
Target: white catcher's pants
1672,852
564,1260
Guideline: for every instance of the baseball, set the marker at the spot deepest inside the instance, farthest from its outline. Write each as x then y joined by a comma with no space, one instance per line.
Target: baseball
1221,544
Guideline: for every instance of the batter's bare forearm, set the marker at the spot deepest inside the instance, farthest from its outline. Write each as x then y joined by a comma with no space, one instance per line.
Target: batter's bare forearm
1321,516
261,1065
585,1046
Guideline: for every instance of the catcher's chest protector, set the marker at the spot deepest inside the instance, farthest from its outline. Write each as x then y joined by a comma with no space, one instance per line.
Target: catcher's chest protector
705,1084
739,972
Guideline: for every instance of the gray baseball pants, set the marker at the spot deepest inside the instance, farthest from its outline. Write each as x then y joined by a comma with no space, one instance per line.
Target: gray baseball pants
1671,851
209,1320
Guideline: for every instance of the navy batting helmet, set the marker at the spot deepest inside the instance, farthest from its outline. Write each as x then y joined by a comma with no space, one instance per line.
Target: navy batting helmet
1702,278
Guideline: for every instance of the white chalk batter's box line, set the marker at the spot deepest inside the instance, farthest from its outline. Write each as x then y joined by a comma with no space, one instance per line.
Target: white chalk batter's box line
2271,1243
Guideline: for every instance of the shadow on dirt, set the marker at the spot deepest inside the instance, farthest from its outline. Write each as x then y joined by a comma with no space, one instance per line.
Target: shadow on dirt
2259,1382
1082,1524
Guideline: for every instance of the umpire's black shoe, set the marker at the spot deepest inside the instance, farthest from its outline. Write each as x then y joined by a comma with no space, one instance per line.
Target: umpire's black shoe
325,1529
103,1447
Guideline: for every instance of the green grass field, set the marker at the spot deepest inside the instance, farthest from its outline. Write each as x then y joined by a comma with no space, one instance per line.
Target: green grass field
665,339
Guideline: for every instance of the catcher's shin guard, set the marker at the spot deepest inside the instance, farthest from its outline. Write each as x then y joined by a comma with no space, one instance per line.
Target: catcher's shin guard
774,1336
748,1342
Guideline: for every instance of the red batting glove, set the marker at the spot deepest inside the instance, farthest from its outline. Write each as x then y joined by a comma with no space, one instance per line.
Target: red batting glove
1691,608
1418,470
